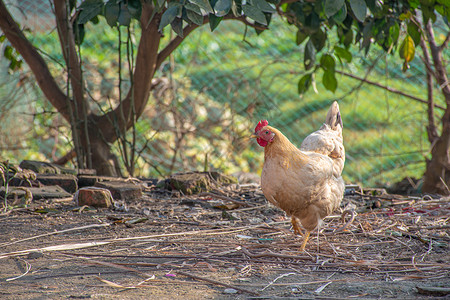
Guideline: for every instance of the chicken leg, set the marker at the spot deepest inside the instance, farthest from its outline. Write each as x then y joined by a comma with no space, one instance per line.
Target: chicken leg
305,240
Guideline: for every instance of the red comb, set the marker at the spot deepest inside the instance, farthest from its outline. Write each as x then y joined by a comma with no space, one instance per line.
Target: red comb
260,125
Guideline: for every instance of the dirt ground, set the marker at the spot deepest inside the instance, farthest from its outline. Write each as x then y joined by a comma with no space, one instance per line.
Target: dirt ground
225,245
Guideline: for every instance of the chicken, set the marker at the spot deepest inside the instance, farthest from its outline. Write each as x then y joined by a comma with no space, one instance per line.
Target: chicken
306,183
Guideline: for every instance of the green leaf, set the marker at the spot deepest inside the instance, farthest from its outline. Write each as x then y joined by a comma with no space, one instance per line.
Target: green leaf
264,6
160,3
135,8
407,49
319,38
415,32
312,23
304,83
79,32
124,16
329,80
203,4
301,36
340,16
222,7
168,16
8,52
310,55
214,21
333,6
254,13
343,53
327,62
177,26
405,16
375,6
194,8
194,17
112,12
88,10
359,8
394,32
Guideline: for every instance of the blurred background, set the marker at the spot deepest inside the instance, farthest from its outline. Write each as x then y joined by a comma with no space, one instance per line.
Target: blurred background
212,92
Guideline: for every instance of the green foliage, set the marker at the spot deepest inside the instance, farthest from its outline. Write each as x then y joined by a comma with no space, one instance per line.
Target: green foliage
15,61
359,22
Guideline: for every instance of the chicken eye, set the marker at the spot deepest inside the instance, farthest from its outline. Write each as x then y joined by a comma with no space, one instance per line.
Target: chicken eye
267,132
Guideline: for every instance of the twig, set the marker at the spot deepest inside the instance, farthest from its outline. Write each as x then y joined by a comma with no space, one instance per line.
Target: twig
352,218
25,273
55,232
279,277
213,195
216,282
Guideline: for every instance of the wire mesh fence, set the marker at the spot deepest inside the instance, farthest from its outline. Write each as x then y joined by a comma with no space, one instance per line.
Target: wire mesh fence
215,88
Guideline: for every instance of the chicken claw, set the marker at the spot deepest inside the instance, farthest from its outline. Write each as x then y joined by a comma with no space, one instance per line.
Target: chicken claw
295,226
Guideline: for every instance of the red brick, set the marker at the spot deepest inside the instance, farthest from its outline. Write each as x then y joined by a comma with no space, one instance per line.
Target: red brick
94,196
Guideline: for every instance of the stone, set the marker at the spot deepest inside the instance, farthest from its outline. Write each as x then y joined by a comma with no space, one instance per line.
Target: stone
46,167
93,196
121,189
46,192
66,181
91,180
197,182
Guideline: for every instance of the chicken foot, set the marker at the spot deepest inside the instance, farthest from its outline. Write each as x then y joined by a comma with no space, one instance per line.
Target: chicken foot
295,226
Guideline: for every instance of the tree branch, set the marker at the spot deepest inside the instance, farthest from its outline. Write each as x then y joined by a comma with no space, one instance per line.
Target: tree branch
67,41
445,43
163,54
34,60
439,68
431,127
394,91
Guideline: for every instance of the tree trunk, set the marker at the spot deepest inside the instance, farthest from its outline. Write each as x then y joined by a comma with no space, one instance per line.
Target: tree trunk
437,174
103,159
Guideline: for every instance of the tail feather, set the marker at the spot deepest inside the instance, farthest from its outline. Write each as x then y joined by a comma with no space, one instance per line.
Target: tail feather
334,117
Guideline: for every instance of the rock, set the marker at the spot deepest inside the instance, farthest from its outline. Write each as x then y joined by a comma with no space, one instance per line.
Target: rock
87,172
121,189
47,168
230,291
45,192
66,181
93,196
197,182
91,180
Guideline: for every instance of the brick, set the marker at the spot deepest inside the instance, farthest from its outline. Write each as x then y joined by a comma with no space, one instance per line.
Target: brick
66,181
91,180
121,189
93,196
45,192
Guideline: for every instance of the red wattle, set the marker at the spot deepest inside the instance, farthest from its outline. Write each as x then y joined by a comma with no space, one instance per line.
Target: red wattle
261,142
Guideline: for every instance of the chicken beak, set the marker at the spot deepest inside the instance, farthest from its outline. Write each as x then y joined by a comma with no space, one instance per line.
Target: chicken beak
254,136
